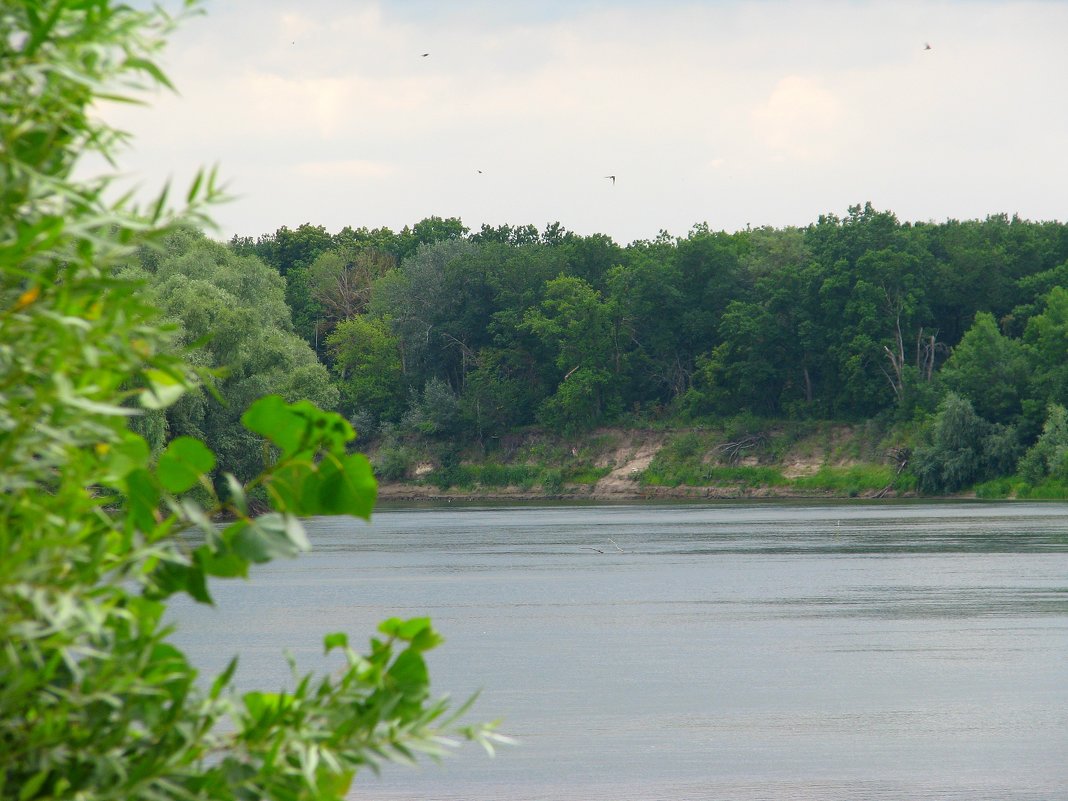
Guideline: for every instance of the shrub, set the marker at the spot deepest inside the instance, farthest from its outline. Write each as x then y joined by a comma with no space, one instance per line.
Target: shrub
962,448
95,701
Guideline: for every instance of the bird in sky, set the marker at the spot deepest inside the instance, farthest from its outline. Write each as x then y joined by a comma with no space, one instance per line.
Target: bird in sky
424,55
612,178
926,45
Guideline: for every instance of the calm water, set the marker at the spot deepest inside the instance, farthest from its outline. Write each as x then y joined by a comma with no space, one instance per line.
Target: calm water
771,651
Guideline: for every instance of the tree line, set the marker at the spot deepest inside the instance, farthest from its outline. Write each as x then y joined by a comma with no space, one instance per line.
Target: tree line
467,335
470,334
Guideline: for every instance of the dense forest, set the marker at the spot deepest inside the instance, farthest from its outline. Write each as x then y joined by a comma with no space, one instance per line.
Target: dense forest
957,330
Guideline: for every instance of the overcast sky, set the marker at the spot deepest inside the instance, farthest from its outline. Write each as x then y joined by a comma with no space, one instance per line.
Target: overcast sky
730,113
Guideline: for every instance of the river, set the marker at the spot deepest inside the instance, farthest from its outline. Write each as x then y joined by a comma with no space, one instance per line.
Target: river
787,651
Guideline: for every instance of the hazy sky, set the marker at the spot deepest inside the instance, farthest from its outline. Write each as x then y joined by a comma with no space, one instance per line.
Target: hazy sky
730,113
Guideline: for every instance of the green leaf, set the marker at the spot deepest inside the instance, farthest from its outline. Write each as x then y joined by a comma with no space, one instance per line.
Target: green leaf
32,785
183,462
142,499
223,679
123,457
409,672
195,515
221,562
346,486
269,537
272,418
67,395
171,577
162,391
298,427
144,65
338,639
259,704
413,630
237,493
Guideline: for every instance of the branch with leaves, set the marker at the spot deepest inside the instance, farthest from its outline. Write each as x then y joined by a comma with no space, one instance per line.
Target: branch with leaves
97,535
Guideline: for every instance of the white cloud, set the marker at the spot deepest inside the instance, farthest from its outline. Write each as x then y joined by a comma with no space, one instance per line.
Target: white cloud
800,119
731,112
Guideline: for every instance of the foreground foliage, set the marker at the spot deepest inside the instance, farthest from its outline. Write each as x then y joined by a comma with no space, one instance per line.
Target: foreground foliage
94,701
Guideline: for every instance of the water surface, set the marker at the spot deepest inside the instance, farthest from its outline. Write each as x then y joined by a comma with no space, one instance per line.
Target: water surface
713,651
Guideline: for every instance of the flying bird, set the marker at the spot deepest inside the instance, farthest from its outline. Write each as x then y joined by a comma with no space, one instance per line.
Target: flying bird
926,46
612,178
424,55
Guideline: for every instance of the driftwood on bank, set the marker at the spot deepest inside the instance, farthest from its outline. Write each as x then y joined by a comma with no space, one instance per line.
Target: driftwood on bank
733,452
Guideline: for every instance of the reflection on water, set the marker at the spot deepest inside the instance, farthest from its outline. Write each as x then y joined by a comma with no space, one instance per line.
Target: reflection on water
720,651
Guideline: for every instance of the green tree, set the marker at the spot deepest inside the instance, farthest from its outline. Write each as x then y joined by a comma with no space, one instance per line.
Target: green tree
230,315
366,361
340,281
1046,337
427,232
990,369
416,300
962,448
95,702
435,411
577,324
1049,455
647,296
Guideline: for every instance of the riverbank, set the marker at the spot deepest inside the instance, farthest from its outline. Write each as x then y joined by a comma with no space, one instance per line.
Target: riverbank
401,491
789,461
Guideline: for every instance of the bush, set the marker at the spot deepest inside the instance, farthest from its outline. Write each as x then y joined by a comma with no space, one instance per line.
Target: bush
394,463
1049,455
435,412
95,701
962,448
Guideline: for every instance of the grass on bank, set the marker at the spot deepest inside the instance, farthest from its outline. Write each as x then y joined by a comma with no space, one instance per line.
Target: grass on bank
551,480
1014,487
851,481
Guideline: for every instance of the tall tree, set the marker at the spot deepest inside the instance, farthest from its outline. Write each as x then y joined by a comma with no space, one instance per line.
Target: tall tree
576,323
989,369
366,361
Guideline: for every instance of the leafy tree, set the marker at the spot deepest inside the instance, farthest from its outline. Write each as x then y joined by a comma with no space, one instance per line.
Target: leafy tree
772,250
1046,337
747,370
287,249
648,295
990,369
507,235
576,323
416,301
587,257
340,280
502,392
435,411
95,702
367,364
291,253
963,448
231,312
1049,455
427,232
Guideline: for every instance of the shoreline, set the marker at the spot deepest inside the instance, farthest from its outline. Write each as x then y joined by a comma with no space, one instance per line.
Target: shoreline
403,491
